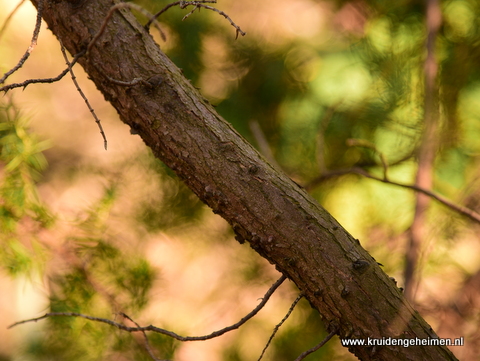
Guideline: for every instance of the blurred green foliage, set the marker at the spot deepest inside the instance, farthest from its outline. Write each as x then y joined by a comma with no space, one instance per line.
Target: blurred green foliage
21,162
310,95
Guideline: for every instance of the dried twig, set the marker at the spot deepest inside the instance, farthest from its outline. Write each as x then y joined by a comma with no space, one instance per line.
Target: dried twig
197,5
33,43
74,79
277,327
147,343
355,170
181,4
313,349
24,84
162,331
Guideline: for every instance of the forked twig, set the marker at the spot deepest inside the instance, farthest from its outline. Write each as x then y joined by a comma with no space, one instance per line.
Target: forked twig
33,43
24,84
74,79
277,327
474,216
197,5
315,348
162,331
181,4
147,343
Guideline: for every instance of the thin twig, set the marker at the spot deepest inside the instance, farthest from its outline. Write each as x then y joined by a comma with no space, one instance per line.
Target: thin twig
277,327
10,16
74,79
313,349
24,84
458,208
147,343
237,28
162,331
198,5
181,4
33,43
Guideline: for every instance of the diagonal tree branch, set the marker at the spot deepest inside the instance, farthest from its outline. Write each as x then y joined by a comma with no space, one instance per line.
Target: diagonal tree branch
265,208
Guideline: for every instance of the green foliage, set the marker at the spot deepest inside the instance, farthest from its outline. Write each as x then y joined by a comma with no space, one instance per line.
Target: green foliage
21,163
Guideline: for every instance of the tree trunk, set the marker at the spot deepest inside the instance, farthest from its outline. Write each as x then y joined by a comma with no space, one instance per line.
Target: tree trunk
265,208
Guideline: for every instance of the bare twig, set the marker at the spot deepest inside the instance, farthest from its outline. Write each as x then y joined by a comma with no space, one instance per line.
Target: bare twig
313,349
162,331
10,16
77,56
237,28
147,343
33,43
474,216
197,5
74,79
277,327
181,4
24,84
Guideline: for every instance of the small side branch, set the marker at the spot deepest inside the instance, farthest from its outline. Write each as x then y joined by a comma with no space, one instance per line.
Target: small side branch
197,5
74,79
32,46
474,216
147,343
162,331
277,327
317,347
24,84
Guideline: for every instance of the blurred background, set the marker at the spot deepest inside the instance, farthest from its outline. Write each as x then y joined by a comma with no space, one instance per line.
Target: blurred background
320,88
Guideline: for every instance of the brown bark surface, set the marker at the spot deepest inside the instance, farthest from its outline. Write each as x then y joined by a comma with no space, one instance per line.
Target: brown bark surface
265,208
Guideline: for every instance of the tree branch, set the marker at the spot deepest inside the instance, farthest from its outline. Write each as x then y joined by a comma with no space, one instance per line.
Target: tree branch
264,207
474,216
277,327
159,330
33,43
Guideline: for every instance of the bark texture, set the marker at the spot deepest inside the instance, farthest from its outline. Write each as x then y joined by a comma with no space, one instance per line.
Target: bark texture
265,208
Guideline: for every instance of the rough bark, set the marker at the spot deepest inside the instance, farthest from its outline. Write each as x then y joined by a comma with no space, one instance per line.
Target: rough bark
265,208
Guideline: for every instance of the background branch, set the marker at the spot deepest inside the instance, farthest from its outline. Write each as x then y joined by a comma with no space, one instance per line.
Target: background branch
162,331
